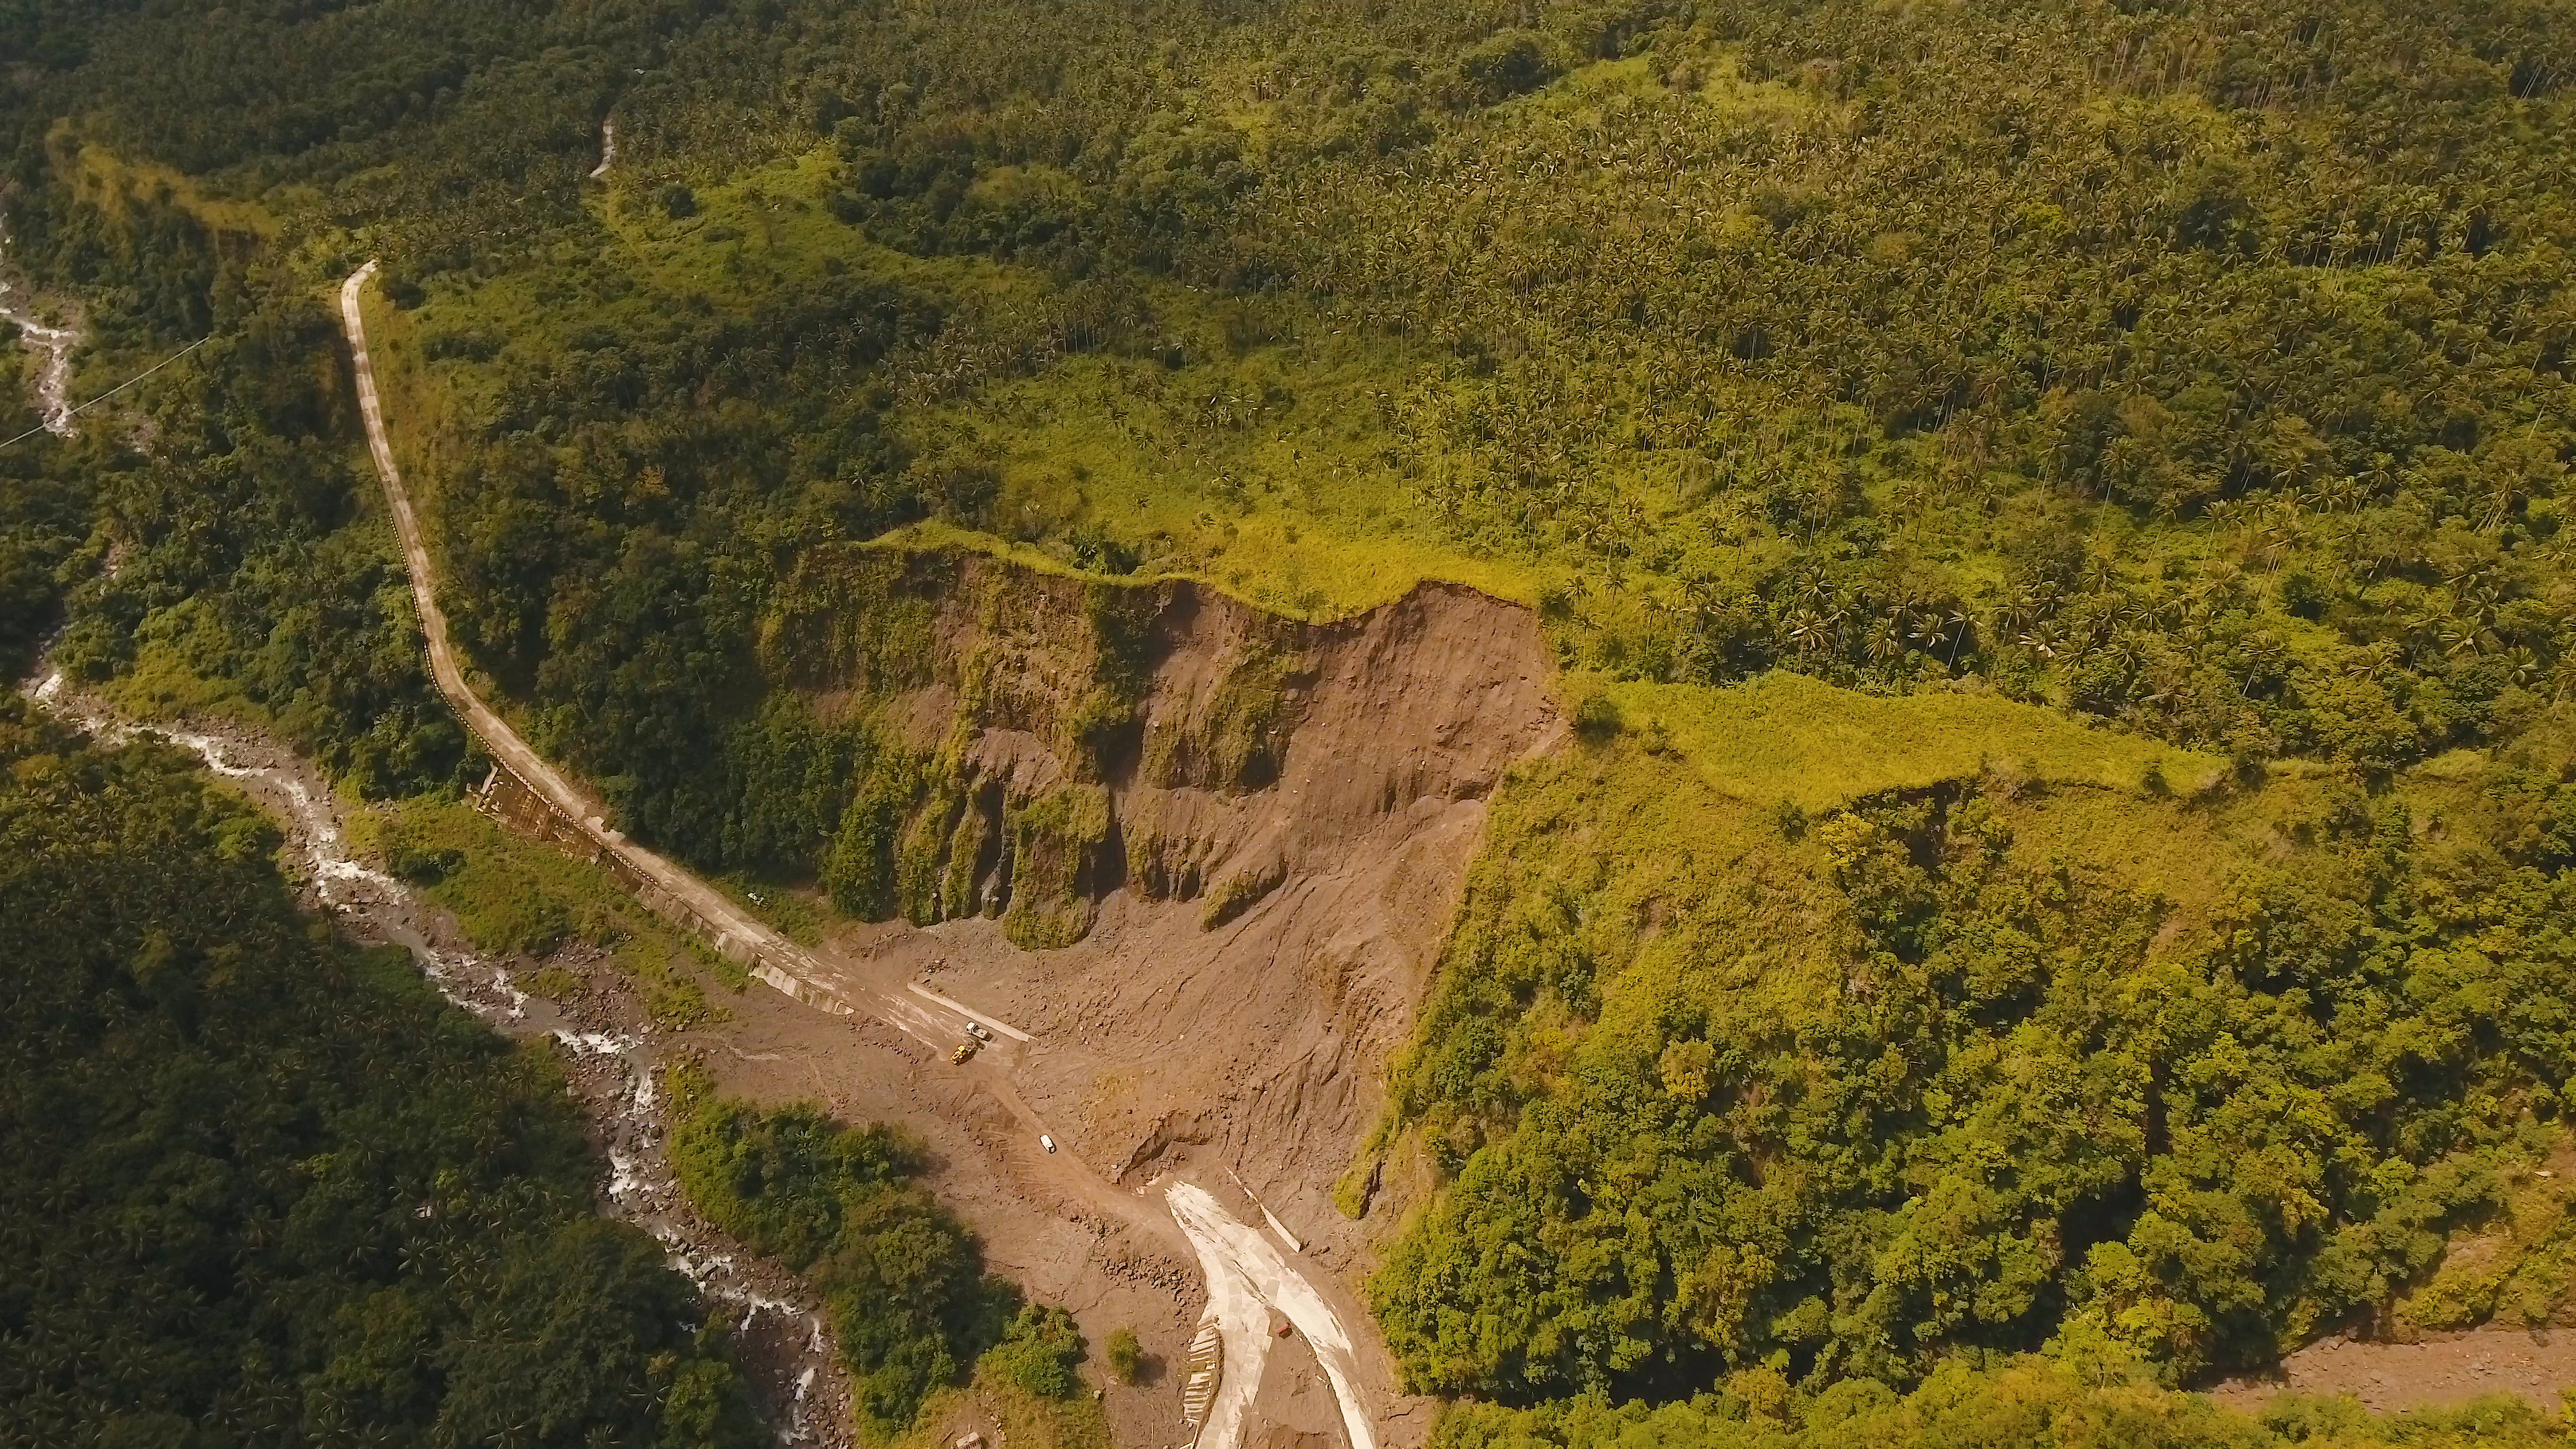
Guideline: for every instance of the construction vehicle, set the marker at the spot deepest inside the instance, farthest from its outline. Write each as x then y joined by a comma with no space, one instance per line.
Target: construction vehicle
964,1053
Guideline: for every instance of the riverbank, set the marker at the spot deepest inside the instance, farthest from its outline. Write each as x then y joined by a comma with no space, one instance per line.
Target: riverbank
610,1054
19,309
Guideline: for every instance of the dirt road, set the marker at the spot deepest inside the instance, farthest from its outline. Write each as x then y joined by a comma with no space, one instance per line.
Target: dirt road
1242,1267
504,743
783,965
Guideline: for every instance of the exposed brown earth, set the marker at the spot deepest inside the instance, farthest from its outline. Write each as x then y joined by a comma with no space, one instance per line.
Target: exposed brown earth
1289,812
2436,1372
1246,882
1165,1046
1257,1044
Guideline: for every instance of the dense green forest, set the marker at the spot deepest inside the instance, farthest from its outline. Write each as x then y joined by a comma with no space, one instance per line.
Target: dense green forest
1931,1080
265,1187
911,1305
2200,367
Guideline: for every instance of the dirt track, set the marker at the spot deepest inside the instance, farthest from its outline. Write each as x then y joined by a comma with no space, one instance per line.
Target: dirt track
935,1024
2439,1372
514,753
1109,1032
1044,1190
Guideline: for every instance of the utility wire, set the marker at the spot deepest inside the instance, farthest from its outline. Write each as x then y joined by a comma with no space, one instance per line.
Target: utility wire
113,391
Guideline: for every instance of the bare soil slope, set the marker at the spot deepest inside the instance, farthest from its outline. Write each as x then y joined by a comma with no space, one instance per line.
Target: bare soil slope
1290,809
2442,1371
1268,821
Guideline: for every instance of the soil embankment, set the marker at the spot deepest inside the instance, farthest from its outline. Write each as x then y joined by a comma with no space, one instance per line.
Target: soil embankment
1277,822
1287,822
1193,864
2442,1371
1229,800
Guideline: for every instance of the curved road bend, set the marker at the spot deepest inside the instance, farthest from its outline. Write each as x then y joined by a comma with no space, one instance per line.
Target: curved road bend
782,963
1227,1249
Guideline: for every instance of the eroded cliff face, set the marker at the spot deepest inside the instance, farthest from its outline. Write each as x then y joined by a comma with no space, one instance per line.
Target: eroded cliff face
1207,854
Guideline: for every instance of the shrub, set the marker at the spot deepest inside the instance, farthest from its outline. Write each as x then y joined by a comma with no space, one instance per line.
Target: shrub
1126,1356
1038,1353
1234,895
1596,715
902,1280
1506,65
423,867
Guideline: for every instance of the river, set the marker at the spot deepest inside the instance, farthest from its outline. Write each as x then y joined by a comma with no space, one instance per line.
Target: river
785,1350
784,1347
54,376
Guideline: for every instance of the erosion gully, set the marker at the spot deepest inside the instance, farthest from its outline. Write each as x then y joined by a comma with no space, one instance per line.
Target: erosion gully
784,1347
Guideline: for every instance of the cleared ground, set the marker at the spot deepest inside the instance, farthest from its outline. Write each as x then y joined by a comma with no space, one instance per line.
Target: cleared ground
914,1026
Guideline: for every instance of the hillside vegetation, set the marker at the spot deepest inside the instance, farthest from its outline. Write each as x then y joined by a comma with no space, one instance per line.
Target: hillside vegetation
2026,1404
1992,1066
2136,361
265,1187
904,1284
2051,513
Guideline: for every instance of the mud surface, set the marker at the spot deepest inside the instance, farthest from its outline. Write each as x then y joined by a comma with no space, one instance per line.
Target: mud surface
2431,1373
1174,1040
1049,1189
1240,1057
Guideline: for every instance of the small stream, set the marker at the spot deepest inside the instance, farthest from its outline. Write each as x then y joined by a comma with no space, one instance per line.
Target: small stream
54,377
607,150
779,1332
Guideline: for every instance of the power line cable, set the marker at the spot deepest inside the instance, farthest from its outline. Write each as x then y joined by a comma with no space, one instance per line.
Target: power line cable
113,391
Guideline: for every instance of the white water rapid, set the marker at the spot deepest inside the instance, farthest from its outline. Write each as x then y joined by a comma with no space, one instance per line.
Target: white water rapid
54,376
611,1071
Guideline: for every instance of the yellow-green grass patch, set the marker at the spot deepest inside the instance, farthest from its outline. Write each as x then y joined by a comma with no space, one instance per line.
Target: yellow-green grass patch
1786,737
517,896
1025,1420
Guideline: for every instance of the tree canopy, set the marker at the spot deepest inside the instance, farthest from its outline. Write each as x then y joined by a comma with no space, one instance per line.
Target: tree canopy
265,1187
2198,367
